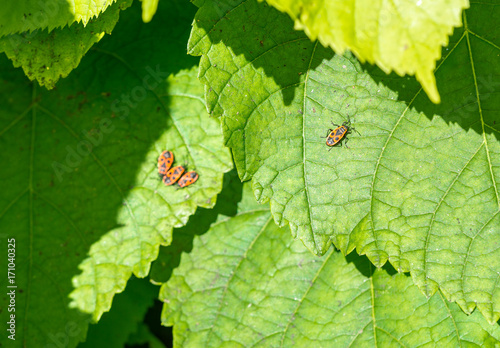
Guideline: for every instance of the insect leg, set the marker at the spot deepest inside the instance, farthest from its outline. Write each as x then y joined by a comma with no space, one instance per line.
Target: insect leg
329,131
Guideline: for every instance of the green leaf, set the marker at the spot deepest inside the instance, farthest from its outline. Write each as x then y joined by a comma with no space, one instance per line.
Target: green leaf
29,15
42,214
47,56
151,210
418,185
148,9
125,318
169,256
405,37
246,283
57,199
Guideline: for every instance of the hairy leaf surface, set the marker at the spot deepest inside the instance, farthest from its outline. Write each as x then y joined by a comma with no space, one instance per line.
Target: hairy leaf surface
246,283
418,185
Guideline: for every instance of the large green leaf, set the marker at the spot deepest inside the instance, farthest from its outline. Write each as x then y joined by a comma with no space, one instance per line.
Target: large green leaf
417,187
404,36
28,15
246,283
57,199
47,56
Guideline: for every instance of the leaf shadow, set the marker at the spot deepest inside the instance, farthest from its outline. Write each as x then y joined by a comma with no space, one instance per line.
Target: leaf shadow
361,262
458,87
111,103
365,267
267,40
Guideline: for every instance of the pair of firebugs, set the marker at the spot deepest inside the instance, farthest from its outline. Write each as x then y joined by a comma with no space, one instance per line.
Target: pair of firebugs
173,175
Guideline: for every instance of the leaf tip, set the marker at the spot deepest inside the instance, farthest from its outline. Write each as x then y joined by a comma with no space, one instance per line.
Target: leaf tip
487,310
428,81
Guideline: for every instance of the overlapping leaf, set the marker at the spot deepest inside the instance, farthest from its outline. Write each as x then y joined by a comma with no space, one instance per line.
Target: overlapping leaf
47,56
148,9
417,187
28,15
246,283
404,36
72,158
151,210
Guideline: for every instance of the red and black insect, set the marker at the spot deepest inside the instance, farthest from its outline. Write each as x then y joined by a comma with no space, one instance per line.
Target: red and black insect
173,175
335,136
188,179
165,162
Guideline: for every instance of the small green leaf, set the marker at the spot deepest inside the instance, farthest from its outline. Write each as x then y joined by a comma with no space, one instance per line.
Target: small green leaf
48,56
405,36
28,15
246,283
149,9
418,185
